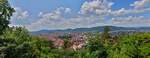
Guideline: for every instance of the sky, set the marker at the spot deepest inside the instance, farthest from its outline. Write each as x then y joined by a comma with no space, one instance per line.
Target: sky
38,15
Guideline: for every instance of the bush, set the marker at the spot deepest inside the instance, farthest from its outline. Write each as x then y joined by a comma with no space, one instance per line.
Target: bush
132,46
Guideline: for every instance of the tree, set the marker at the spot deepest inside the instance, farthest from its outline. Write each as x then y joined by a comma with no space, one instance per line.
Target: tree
6,12
132,46
105,35
18,43
95,47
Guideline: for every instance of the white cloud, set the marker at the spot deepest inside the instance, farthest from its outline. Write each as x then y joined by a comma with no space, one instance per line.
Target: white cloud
131,20
56,20
67,10
141,4
75,22
47,20
96,6
56,15
124,11
20,14
20,17
11,25
64,10
103,8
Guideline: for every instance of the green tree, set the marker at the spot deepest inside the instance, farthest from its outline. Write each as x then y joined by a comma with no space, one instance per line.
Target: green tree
105,36
132,46
18,43
95,47
15,43
6,12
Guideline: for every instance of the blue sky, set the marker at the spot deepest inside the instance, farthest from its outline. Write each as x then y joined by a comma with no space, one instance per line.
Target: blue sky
63,14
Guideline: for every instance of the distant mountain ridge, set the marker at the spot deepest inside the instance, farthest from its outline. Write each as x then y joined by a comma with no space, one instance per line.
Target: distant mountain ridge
93,29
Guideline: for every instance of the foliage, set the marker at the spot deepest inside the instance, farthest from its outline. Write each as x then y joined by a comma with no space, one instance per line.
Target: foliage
132,46
5,13
17,43
105,36
95,46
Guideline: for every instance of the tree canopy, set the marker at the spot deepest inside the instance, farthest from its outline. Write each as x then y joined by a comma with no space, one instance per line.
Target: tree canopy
6,11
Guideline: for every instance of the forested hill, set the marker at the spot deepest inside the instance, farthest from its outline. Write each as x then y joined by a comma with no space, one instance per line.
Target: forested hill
94,29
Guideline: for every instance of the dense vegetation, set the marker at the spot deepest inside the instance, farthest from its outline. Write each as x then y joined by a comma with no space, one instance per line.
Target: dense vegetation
16,42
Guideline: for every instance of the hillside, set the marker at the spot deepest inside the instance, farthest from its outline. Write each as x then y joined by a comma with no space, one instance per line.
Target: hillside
93,29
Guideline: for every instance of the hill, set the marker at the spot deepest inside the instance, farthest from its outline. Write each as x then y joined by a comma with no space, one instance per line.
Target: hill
93,29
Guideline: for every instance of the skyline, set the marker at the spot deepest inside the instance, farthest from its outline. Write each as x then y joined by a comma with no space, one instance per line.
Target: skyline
64,14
